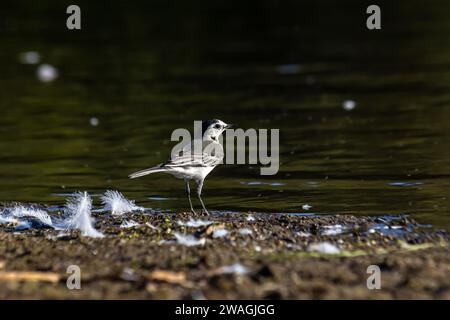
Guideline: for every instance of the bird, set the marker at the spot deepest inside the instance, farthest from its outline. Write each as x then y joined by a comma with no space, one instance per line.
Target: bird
191,163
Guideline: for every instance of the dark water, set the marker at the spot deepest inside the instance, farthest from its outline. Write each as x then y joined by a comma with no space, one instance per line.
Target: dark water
146,68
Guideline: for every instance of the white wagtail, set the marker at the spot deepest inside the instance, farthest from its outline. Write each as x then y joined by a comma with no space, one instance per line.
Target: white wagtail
193,163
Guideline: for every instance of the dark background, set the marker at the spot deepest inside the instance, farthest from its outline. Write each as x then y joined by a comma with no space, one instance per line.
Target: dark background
145,68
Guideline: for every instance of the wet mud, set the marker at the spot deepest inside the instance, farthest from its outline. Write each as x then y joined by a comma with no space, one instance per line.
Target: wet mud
228,256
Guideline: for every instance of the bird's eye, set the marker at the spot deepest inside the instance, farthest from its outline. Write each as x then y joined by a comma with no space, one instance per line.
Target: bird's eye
217,126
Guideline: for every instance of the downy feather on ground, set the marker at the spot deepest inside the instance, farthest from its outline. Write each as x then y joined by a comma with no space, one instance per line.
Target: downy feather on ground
78,210
25,216
115,202
38,215
129,224
189,240
194,223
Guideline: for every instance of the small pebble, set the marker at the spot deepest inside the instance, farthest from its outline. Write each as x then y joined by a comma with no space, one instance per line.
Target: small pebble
324,247
245,231
220,233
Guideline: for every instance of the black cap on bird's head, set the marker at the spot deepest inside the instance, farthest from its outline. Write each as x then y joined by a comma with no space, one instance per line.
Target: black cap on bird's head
208,123
214,127
214,124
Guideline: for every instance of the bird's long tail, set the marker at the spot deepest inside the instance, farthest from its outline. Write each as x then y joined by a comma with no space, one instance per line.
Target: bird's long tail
146,172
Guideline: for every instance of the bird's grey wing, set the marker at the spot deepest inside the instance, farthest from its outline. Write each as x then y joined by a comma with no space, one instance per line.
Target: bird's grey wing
207,157
193,160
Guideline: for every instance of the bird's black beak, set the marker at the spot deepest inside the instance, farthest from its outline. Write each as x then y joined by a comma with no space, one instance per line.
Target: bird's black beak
230,126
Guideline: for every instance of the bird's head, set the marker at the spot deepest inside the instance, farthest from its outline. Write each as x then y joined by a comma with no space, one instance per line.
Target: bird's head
212,129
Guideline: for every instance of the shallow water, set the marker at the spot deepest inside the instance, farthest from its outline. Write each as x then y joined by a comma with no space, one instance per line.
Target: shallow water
144,70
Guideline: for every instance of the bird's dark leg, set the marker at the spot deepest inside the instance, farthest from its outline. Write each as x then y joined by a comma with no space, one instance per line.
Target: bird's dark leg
188,192
199,194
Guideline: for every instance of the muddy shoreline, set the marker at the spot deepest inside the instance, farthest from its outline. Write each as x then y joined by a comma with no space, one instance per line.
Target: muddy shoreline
230,256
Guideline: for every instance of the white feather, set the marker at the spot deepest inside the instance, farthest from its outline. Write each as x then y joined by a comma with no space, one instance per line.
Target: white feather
115,202
78,209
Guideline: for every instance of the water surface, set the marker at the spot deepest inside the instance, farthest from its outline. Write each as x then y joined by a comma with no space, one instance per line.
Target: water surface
146,68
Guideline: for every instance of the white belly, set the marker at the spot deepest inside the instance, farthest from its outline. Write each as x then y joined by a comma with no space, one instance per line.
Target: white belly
194,173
